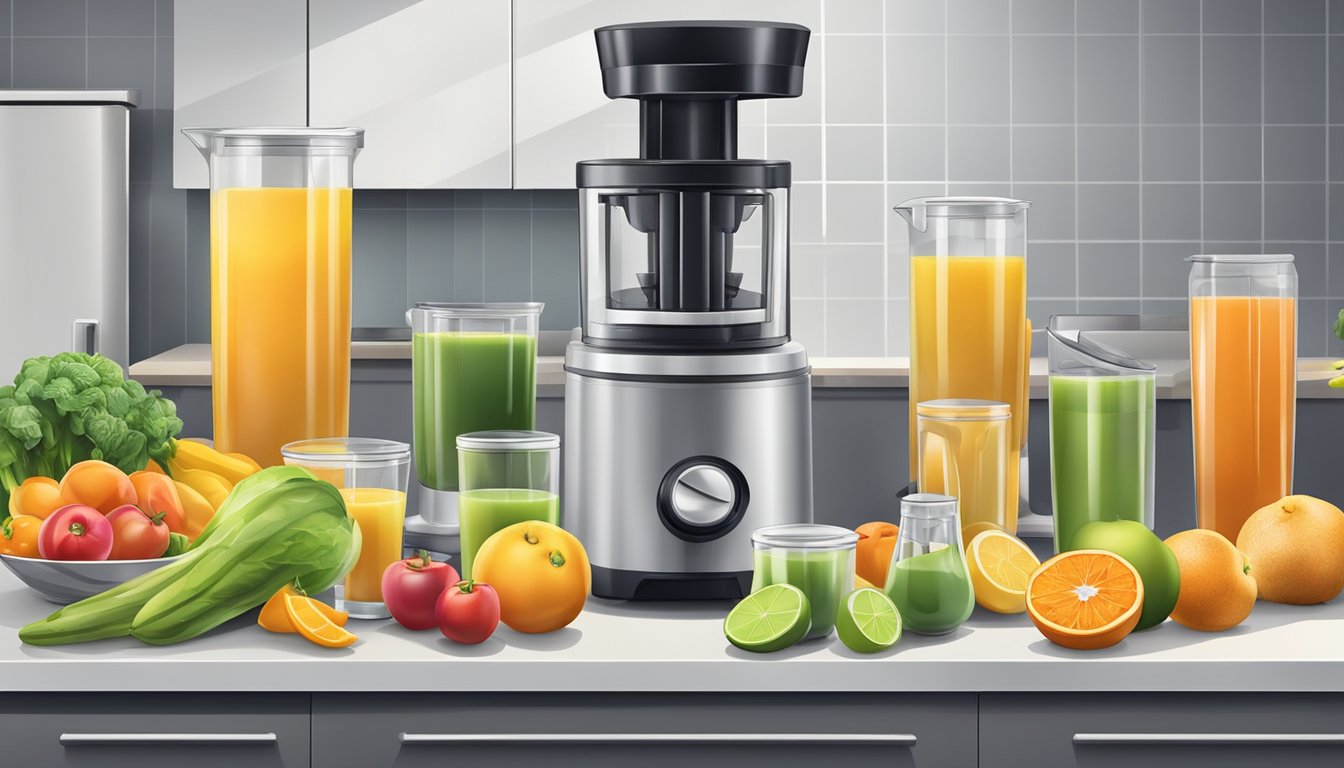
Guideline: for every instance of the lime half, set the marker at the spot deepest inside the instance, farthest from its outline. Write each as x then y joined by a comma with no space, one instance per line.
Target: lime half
868,621
769,619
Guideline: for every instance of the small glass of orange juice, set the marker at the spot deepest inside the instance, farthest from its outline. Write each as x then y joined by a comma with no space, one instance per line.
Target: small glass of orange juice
372,476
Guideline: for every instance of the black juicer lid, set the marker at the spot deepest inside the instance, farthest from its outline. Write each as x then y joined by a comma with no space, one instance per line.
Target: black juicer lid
688,77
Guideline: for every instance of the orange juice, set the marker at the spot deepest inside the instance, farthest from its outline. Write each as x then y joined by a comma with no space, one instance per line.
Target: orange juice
969,339
280,316
380,513
1243,391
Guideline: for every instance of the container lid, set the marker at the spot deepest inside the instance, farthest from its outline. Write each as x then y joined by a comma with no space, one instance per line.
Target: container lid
1242,258
918,209
71,97
927,506
1073,353
803,536
478,309
787,358
506,440
277,136
964,410
346,451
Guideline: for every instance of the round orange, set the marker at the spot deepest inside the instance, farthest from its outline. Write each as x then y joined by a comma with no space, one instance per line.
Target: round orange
36,496
97,484
872,555
540,572
1085,599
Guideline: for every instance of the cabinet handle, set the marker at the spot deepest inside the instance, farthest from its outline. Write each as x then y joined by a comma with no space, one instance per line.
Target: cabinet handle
92,739
886,739
1239,739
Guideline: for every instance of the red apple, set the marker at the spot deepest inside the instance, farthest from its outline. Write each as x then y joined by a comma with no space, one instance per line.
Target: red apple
468,612
411,587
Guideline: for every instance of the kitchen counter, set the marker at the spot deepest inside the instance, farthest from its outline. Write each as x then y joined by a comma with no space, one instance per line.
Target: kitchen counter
189,366
680,648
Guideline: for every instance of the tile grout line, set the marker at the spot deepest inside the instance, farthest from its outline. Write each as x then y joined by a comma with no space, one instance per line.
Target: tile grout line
1142,124
887,341
824,182
1263,195
1327,330
1077,204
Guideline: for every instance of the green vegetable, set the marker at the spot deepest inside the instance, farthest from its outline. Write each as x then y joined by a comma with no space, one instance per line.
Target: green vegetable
278,526
1339,325
62,410
178,544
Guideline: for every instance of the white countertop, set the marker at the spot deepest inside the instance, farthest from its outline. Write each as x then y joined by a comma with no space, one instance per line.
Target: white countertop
680,647
189,365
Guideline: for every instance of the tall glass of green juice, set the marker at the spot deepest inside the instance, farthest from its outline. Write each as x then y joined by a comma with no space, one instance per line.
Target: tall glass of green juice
1102,434
928,579
506,477
817,559
473,368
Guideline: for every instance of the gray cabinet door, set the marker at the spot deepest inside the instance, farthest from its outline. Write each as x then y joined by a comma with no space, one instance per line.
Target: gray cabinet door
1158,730
244,62
155,730
649,730
429,81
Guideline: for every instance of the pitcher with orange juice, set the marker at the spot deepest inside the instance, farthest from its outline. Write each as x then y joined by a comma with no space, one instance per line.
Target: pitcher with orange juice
280,209
1243,384
969,335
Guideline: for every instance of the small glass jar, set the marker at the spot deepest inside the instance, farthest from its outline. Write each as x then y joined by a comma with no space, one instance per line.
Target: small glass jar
506,477
817,559
372,475
928,579
965,451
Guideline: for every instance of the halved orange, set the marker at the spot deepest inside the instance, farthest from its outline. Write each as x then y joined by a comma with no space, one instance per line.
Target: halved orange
1086,599
313,624
275,618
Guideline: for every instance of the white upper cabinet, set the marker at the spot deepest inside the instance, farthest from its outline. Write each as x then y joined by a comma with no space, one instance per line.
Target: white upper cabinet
561,115
429,83
243,62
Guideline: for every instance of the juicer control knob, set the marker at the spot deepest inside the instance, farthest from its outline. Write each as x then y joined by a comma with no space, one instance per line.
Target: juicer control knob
702,498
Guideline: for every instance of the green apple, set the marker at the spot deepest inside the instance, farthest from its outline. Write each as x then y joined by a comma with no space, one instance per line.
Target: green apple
1152,558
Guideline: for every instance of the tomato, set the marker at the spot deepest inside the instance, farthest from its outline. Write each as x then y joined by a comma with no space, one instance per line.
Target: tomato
468,612
541,573
156,494
411,586
97,484
136,535
36,496
872,556
18,536
75,532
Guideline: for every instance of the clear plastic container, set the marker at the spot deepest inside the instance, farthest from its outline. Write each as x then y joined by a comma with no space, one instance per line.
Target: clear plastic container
280,209
473,368
964,452
817,559
928,579
969,334
372,475
1243,384
505,477
1103,416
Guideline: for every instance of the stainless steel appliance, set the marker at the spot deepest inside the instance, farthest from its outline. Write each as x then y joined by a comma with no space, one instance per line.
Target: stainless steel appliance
687,408
64,210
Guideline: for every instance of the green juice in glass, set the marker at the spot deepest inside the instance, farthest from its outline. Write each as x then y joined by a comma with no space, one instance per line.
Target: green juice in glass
467,382
1101,450
484,512
932,591
825,576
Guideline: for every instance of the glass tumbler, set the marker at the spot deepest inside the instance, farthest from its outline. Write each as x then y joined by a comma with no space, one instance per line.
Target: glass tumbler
817,559
372,476
928,579
965,450
506,477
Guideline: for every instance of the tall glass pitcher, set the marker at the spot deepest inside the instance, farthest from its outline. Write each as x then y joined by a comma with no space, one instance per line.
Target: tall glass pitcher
969,336
1243,384
1103,411
279,284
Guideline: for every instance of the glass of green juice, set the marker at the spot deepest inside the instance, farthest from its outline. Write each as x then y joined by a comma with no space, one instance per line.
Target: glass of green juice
1103,410
506,477
473,368
817,559
928,579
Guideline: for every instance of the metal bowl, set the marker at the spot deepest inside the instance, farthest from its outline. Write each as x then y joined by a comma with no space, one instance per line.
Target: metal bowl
68,581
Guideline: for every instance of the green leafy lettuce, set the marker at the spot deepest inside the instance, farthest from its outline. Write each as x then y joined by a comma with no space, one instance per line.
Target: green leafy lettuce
65,409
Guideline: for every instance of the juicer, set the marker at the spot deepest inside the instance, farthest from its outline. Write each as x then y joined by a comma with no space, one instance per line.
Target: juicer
688,410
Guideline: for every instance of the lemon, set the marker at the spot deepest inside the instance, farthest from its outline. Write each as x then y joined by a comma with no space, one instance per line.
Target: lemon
1000,566
971,530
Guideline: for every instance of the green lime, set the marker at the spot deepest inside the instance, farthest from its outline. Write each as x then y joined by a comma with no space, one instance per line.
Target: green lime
868,621
768,620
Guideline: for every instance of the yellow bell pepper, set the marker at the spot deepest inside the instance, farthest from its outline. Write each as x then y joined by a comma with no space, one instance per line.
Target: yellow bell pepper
196,511
192,455
208,484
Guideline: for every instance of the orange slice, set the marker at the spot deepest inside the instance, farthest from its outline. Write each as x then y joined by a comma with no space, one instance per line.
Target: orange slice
1086,599
314,625
274,617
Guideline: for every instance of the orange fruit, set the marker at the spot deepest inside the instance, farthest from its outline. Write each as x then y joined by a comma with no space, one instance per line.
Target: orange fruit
313,624
540,572
275,618
1085,599
872,555
36,496
1296,549
97,484
1217,585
